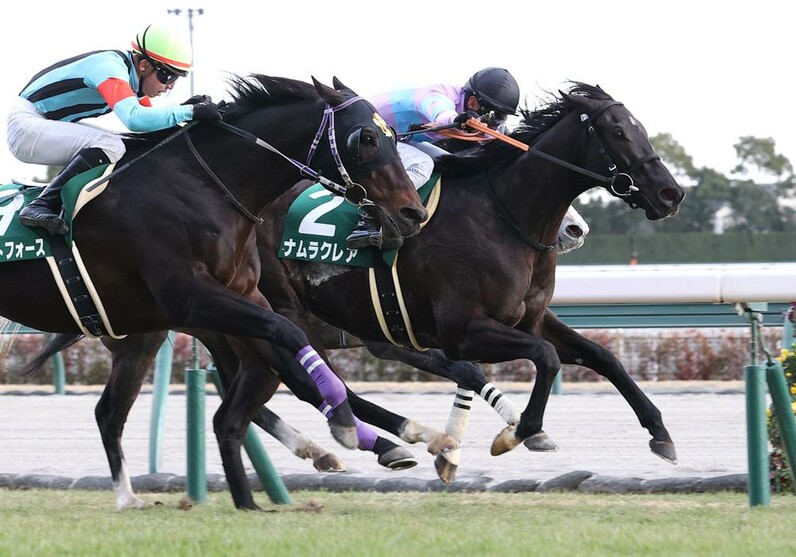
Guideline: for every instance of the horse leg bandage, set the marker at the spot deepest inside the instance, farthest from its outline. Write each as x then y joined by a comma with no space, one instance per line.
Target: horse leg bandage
366,435
507,410
331,387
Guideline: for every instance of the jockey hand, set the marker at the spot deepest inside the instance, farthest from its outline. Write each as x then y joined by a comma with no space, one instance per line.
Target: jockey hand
462,118
196,99
206,111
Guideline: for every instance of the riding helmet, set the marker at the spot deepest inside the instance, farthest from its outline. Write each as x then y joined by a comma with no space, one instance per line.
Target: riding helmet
164,46
495,88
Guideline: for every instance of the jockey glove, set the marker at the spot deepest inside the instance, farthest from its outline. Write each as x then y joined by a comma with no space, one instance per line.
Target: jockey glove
206,111
464,116
196,99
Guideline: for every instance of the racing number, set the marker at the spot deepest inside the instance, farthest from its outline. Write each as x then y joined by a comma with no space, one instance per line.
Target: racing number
310,225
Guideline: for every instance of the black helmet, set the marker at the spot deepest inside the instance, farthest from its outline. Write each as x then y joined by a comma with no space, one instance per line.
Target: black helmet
496,88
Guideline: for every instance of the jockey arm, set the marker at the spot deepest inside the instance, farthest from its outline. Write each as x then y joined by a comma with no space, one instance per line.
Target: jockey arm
140,115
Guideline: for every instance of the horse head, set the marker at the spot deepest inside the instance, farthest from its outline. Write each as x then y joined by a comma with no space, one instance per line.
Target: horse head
619,145
351,144
367,149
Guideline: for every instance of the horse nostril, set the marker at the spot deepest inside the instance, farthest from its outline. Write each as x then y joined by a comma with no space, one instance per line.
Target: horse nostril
574,231
413,215
672,195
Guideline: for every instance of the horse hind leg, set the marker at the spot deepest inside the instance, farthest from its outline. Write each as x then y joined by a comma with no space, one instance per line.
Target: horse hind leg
132,359
404,428
298,443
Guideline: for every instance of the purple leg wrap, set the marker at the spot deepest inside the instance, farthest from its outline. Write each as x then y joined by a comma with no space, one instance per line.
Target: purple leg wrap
331,387
367,435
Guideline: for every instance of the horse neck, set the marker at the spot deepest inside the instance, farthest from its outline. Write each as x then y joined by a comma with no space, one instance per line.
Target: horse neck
258,177
537,193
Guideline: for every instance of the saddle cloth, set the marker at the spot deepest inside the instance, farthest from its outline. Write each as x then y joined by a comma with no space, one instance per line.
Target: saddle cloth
20,243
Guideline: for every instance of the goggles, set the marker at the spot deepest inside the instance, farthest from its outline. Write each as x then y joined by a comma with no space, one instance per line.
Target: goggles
165,76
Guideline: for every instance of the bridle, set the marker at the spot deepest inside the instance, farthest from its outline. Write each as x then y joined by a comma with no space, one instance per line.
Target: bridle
608,181
346,191
353,192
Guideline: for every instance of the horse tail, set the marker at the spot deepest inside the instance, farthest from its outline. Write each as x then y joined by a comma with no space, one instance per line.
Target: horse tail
56,344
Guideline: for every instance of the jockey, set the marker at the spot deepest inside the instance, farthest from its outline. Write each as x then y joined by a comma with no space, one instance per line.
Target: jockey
490,94
44,127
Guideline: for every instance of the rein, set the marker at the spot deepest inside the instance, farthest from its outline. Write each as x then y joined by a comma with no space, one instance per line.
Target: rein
346,191
609,181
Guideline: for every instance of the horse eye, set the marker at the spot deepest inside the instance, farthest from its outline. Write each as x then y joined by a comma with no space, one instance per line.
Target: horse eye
364,145
619,134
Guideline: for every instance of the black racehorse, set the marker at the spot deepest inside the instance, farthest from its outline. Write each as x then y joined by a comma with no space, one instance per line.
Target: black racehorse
478,280
170,244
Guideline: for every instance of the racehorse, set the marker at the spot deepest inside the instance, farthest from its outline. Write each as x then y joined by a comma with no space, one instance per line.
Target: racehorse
170,245
478,281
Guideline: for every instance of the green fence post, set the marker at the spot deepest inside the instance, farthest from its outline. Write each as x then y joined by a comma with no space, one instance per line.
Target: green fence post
557,381
757,435
59,374
756,431
160,394
782,402
269,477
195,380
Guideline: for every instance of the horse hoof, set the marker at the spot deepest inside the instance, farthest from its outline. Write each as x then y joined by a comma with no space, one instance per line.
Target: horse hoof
445,470
328,463
664,449
397,458
505,441
541,442
443,443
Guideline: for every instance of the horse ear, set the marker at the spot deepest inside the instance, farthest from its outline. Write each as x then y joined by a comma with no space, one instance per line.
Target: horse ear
337,84
328,94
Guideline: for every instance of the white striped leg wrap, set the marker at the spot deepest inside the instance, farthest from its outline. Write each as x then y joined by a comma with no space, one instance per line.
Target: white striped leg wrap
505,408
457,421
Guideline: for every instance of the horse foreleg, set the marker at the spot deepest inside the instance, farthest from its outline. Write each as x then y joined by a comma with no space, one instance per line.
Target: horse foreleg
132,359
573,348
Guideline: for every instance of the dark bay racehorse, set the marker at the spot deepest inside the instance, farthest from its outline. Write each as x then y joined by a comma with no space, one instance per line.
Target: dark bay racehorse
168,249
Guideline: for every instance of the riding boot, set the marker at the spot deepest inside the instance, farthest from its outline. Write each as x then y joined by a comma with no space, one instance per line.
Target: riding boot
365,234
46,211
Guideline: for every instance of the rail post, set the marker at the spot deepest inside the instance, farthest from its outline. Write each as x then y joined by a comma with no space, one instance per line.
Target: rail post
557,382
160,394
756,432
195,381
782,401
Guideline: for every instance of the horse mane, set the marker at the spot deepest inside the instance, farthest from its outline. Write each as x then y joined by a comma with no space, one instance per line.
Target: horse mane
532,125
257,90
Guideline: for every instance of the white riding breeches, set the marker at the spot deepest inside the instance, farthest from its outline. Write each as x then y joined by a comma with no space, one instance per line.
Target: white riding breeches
32,138
418,165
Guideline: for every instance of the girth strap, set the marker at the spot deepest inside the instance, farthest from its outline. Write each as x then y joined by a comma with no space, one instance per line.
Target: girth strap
76,287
